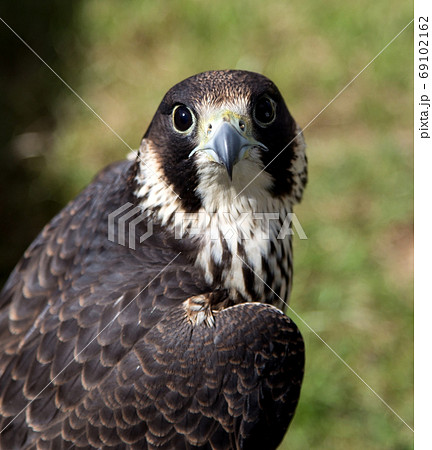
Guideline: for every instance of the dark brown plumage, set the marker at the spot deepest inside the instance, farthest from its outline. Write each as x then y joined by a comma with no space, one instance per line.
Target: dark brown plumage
162,345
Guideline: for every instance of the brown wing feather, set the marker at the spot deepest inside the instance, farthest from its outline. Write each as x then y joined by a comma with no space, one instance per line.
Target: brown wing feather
96,348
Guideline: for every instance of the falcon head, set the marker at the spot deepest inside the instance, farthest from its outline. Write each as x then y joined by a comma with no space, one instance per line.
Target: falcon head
224,134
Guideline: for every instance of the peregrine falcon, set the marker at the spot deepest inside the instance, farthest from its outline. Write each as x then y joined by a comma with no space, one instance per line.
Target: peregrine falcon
164,329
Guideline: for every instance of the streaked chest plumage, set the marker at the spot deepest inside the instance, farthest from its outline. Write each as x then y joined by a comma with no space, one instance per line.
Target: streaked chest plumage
241,240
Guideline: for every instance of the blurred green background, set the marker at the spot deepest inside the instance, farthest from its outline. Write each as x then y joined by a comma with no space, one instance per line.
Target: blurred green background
354,275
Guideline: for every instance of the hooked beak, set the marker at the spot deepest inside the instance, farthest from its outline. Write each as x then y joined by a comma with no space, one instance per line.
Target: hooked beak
226,143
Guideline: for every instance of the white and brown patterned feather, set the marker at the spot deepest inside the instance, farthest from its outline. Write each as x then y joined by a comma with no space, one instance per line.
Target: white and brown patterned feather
97,349
164,346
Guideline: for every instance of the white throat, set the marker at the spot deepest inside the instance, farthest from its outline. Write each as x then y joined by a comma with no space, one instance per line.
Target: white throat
239,233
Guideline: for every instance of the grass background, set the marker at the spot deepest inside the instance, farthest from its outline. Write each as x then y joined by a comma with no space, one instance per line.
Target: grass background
354,275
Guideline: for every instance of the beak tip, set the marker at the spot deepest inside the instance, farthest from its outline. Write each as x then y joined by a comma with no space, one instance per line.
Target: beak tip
229,169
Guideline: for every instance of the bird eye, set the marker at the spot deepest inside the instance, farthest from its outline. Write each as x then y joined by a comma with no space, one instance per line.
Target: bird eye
265,111
183,118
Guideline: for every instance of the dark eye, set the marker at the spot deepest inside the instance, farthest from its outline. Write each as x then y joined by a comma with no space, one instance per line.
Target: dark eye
264,111
183,118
